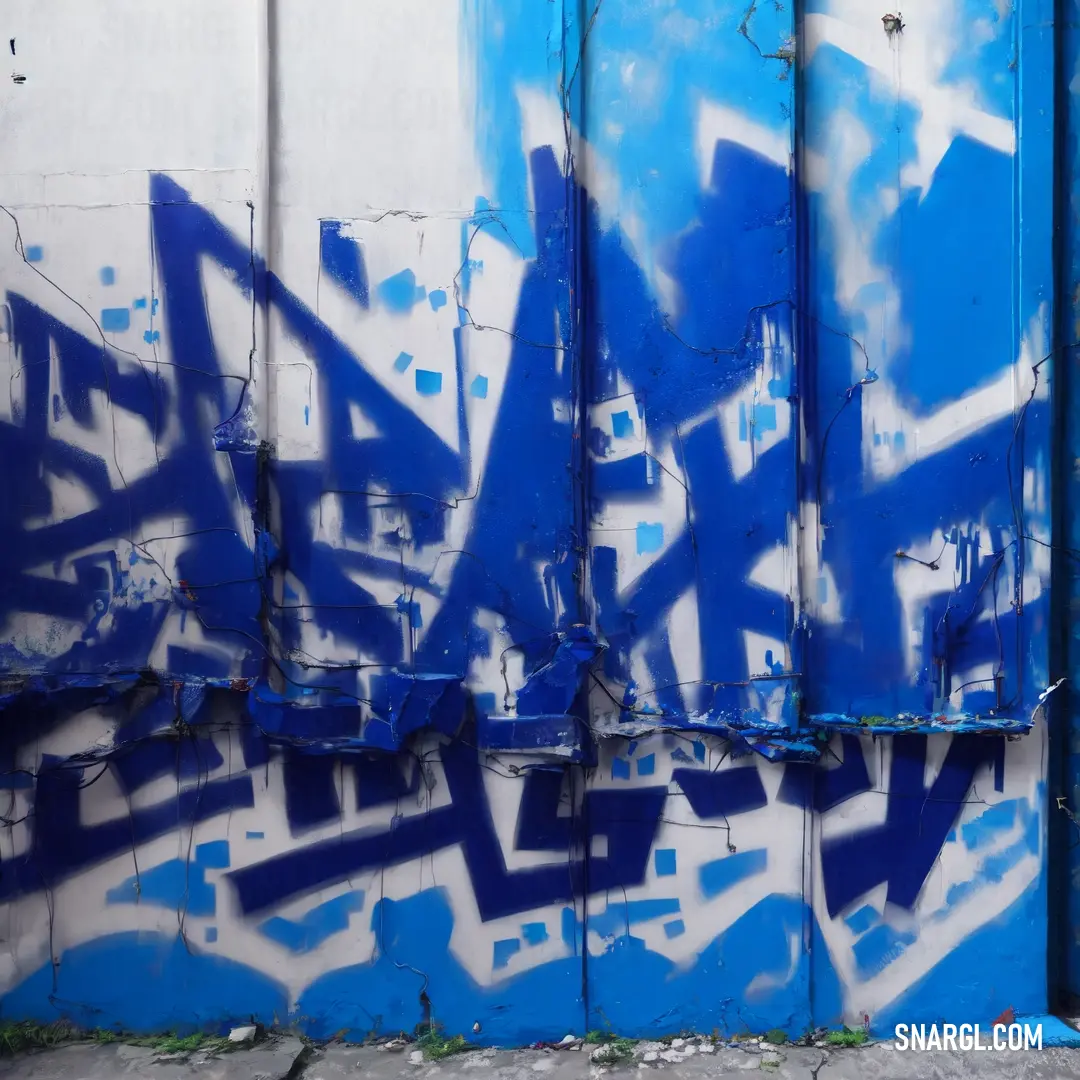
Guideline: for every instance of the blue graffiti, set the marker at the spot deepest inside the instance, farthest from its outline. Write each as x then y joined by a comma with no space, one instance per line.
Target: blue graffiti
628,819
742,247
526,509
966,499
919,817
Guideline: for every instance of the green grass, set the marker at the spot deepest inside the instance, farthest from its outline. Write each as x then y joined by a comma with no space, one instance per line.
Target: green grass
847,1037
776,1037
610,1048
19,1036
436,1046
16,1037
174,1044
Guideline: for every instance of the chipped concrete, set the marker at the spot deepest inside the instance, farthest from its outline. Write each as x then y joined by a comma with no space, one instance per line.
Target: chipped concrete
286,1058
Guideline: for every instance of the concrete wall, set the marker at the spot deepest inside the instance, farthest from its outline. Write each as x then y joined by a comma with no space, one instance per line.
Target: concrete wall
526,516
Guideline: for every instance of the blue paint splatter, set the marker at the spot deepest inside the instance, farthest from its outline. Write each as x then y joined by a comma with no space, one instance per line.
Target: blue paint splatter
115,320
35,253
534,933
173,884
646,765
151,337
721,874
211,935
504,949
650,537
255,836
762,418
412,609
214,853
437,299
674,928
315,926
402,362
428,383
107,275
400,292
139,304
620,769
990,824
622,427
860,921
342,258
664,860
479,386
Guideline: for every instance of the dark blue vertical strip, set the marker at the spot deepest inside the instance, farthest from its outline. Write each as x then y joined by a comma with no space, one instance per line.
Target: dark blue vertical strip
1063,862
342,258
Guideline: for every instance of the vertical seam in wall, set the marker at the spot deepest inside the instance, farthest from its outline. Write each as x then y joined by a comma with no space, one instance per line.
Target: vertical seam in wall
574,15
801,368
1059,706
263,239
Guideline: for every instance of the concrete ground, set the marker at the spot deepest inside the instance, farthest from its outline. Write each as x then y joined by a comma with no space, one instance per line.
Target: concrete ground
286,1058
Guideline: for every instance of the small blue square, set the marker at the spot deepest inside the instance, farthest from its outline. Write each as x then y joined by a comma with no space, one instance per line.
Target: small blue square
622,427
478,388
534,933
107,275
664,860
650,537
402,362
646,765
620,769
428,383
503,951
211,934
115,320
35,253
214,854
674,928
437,299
